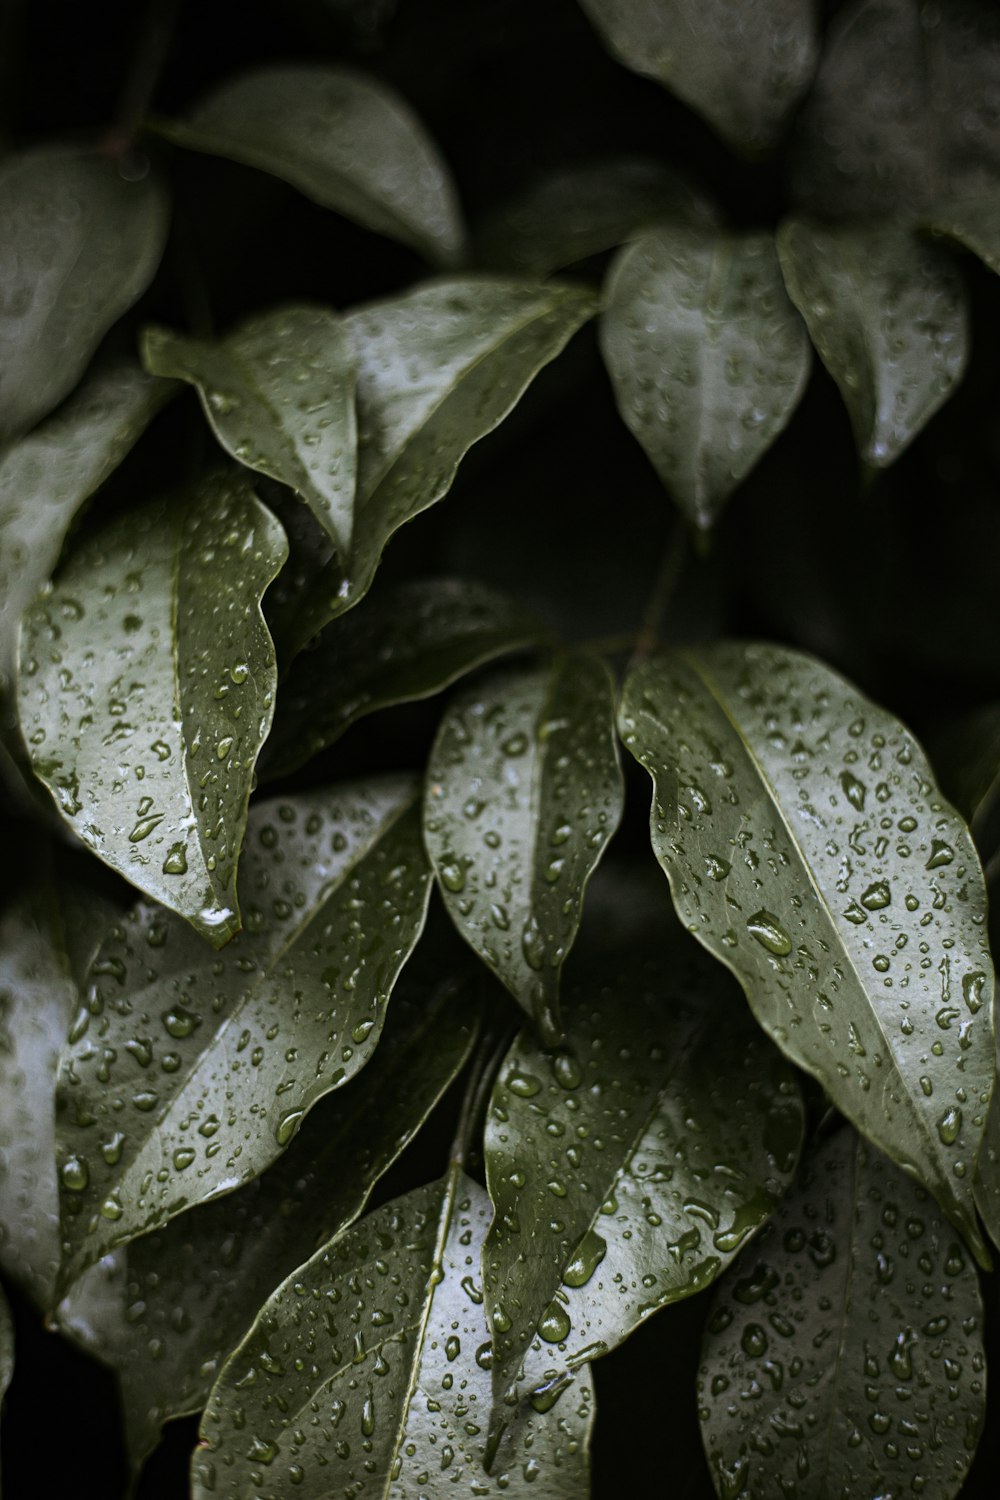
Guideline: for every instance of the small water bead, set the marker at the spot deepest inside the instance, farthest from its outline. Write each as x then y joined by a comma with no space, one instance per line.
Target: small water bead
769,933
75,1174
554,1325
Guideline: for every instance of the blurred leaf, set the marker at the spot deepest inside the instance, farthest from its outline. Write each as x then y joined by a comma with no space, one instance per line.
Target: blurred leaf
742,64
966,758
707,356
279,394
807,848
843,1354
149,655
385,1328
347,141
78,245
524,790
189,1071
972,219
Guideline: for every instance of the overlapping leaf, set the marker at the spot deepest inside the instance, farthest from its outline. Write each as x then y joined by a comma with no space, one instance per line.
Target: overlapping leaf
382,1335
742,64
707,355
189,1071
843,1355
627,1169
888,316
347,141
524,790
78,245
147,688
808,848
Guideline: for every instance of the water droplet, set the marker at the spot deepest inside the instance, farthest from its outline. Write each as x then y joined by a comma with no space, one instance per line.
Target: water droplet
287,1126
949,1126
554,1324
586,1258
176,861
877,896
941,854
75,1174
770,934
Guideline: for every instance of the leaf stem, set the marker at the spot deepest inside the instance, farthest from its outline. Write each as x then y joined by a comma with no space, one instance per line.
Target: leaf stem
142,77
666,580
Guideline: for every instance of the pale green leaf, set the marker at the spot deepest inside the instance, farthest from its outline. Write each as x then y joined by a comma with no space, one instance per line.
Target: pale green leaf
742,64
189,1071
888,316
279,393
808,848
707,356
844,1353
147,688
409,642
524,790
384,1331
661,1137
78,245
345,140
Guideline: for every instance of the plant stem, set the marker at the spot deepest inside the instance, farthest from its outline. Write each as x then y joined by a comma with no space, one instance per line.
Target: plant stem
664,584
142,76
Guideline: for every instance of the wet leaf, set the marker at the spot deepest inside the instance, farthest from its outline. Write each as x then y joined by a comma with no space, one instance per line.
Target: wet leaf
409,642
843,1354
195,1287
189,1071
347,141
707,356
743,66
384,1330
659,1138
524,790
438,368
279,393
887,314
147,688
850,903
78,245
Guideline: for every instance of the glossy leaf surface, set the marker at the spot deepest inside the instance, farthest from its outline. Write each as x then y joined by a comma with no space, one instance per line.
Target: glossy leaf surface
887,314
194,1287
524,790
147,688
189,1071
659,1139
78,245
843,1354
409,642
384,1331
438,368
707,355
808,848
347,141
743,66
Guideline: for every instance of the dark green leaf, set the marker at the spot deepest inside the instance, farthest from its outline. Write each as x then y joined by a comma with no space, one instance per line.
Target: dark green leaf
972,219
78,245
843,1354
279,394
742,64
410,642
967,761
808,848
524,790
707,355
188,1071
147,688
887,314
660,1138
195,1287
384,1332
347,141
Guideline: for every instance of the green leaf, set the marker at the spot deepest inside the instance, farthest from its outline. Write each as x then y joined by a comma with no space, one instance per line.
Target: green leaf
79,245
888,316
808,848
742,64
189,1071
707,356
279,393
147,688
438,368
524,790
384,1330
843,1354
195,1287
347,141
660,1143
582,210
410,642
